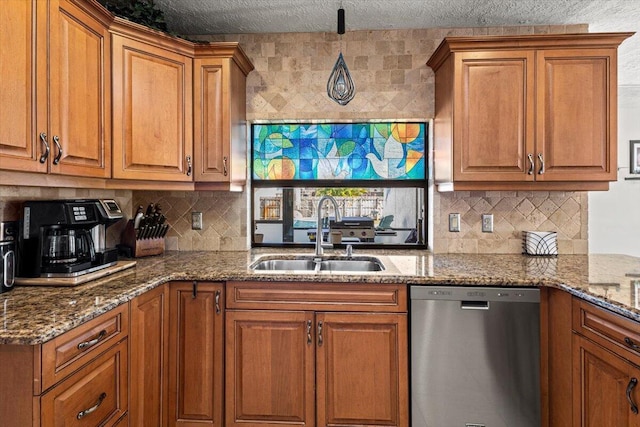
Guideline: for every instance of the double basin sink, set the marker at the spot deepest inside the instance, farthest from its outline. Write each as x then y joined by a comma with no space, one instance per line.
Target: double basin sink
311,264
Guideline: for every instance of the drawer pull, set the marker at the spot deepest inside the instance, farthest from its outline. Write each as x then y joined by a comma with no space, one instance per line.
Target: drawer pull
531,165
629,342
86,412
309,338
86,344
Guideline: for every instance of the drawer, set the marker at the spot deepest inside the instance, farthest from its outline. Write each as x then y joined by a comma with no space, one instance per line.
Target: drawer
317,296
95,395
609,329
65,354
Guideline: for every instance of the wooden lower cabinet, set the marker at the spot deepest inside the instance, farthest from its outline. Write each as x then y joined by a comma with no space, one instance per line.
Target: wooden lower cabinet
362,369
270,375
605,387
196,354
95,395
149,351
310,368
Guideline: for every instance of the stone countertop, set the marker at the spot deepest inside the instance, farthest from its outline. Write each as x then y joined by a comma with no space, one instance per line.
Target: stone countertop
33,314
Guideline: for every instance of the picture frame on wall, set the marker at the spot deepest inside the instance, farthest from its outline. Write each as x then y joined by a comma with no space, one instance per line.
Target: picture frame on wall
634,164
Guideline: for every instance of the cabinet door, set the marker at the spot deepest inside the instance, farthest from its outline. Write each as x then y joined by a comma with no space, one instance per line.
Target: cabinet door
79,90
576,114
602,394
270,369
362,369
149,351
493,127
210,121
219,121
152,112
20,147
196,355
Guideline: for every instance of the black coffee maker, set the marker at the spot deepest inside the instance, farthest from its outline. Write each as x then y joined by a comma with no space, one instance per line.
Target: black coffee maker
66,238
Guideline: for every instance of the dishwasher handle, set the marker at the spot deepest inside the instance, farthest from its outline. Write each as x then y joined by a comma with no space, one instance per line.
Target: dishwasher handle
474,305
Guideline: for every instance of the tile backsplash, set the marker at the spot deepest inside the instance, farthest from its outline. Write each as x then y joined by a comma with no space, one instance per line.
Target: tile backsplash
11,202
513,212
224,217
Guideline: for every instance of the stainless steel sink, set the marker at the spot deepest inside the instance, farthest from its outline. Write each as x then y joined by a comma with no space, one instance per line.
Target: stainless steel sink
319,264
284,264
352,265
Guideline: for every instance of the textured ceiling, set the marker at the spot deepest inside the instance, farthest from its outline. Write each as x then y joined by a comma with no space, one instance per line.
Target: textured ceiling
273,16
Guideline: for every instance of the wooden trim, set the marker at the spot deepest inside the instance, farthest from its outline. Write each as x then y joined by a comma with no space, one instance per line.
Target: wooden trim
390,298
231,50
17,403
556,370
531,186
450,45
94,9
144,34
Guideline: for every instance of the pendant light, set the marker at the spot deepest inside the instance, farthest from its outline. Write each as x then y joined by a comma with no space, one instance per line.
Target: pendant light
340,86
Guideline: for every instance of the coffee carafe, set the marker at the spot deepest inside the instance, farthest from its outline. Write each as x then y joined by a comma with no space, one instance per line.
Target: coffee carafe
66,238
67,246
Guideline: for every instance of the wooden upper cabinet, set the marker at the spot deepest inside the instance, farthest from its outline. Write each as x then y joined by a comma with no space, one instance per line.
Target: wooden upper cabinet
219,115
526,112
495,123
576,117
152,101
19,145
55,88
79,90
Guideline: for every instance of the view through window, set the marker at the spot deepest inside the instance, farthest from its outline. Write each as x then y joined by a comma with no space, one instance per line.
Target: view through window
374,171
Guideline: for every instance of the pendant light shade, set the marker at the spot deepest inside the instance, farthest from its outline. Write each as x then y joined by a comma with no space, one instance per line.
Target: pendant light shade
340,86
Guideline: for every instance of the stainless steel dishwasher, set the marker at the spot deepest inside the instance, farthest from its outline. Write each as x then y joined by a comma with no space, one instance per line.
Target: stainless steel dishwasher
475,357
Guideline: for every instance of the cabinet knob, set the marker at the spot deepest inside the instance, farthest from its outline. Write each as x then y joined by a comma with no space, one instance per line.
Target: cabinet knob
56,140
541,171
45,155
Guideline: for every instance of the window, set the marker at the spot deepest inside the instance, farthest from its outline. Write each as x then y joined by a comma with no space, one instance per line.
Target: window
375,172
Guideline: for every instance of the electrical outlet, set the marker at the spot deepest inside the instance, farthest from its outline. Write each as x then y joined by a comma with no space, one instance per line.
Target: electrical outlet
454,222
487,223
196,220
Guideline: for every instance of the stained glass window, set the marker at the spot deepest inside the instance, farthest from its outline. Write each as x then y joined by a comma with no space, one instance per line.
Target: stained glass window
341,151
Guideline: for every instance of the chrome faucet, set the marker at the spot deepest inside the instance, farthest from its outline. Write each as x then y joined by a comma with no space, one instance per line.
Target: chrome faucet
319,249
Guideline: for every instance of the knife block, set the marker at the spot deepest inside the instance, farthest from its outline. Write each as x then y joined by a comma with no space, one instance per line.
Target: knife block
141,247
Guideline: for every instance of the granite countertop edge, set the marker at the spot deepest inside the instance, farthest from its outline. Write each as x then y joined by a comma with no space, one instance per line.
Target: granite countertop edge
152,273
